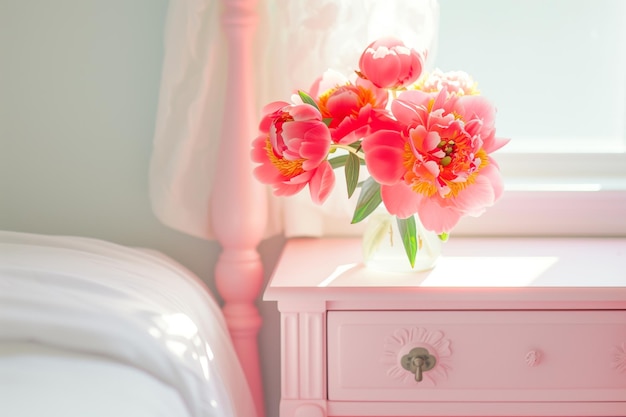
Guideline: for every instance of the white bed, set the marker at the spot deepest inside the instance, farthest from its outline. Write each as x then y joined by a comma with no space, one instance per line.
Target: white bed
92,328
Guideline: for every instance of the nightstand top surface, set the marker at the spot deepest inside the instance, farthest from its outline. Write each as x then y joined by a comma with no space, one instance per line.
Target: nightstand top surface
333,265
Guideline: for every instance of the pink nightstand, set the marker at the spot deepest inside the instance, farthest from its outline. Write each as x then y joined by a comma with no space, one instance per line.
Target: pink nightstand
501,327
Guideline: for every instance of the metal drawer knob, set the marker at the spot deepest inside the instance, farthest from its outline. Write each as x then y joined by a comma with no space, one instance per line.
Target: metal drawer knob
418,360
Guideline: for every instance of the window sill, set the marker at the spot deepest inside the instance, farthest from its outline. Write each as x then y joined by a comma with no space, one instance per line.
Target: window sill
553,207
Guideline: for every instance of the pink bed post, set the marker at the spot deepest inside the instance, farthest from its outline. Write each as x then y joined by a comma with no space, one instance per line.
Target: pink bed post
238,203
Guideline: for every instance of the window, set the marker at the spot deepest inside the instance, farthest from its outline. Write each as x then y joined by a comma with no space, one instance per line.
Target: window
556,70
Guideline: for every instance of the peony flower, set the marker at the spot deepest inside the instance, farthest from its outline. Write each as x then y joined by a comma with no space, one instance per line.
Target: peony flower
389,63
438,165
353,109
292,150
426,142
458,83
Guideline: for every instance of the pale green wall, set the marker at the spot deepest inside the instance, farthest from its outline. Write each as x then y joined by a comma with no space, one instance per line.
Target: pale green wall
78,95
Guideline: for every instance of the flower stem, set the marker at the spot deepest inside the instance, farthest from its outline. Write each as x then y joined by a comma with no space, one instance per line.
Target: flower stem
347,148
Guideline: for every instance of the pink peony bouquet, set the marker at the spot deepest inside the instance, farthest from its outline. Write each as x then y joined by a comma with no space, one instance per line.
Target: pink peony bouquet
425,139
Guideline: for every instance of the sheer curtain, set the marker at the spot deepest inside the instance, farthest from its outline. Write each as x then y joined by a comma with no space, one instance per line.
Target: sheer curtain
296,42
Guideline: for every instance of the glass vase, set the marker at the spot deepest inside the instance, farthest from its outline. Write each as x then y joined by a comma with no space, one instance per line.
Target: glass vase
384,251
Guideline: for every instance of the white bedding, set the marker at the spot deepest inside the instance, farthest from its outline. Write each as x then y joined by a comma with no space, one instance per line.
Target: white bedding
90,328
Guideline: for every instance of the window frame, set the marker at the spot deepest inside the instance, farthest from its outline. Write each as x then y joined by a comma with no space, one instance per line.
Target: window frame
573,194
580,191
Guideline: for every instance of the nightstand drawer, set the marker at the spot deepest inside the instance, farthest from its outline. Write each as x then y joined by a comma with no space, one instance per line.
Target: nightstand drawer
477,355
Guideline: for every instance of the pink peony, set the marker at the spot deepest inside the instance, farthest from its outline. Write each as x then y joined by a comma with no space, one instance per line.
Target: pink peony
438,165
458,83
389,63
353,109
292,150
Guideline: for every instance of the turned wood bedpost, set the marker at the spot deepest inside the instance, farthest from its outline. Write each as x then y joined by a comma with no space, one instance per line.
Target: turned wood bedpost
238,202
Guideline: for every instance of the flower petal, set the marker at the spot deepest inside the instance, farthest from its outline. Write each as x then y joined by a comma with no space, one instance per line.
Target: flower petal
492,172
384,156
476,196
322,183
329,80
438,218
400,200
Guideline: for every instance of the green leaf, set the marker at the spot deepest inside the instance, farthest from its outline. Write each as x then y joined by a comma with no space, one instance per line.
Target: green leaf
368,200
352,173
338,161
326,120
307,99
408,232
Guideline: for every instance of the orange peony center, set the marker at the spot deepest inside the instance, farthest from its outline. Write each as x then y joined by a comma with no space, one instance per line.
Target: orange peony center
286,167
456,165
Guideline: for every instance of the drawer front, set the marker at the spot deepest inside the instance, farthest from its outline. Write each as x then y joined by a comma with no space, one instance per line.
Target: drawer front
477,355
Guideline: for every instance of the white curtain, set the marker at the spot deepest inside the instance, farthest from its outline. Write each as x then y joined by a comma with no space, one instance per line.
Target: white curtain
296,41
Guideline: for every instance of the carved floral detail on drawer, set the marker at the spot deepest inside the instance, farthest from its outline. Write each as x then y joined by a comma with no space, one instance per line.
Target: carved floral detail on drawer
403,340
619,357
